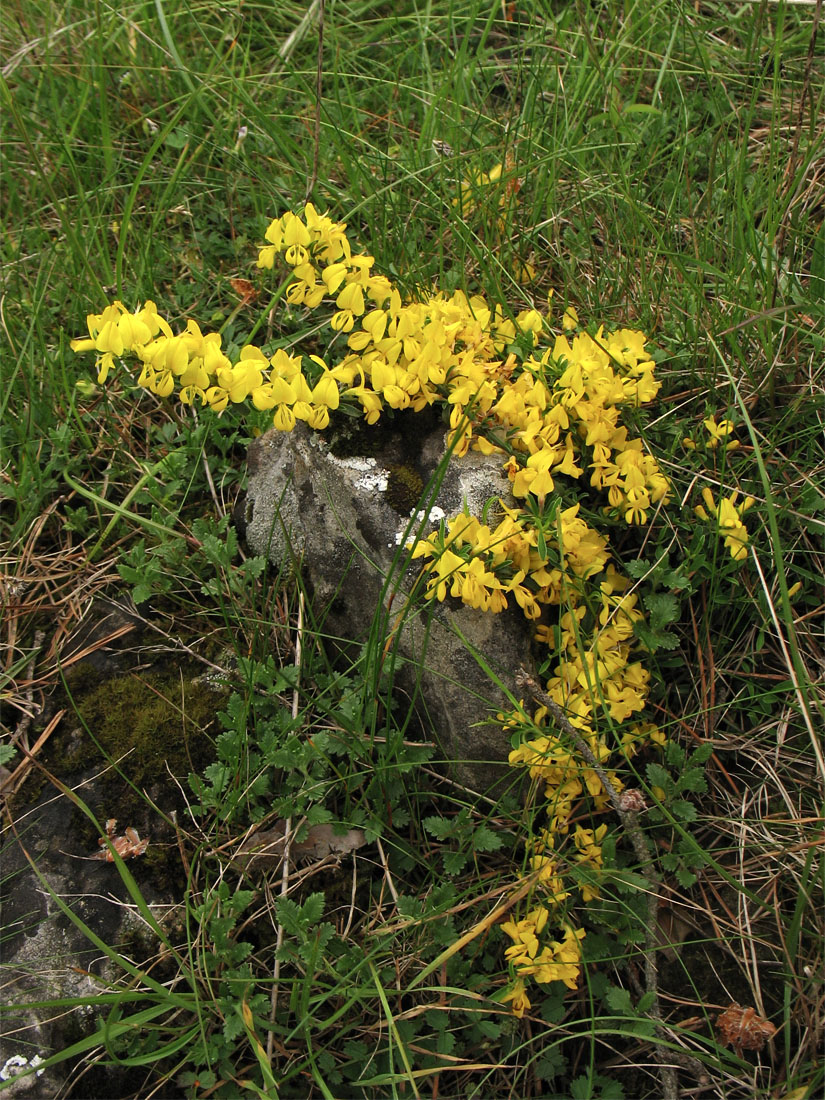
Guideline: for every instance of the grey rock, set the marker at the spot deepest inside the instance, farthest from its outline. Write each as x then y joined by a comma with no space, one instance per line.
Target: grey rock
46,956
330,517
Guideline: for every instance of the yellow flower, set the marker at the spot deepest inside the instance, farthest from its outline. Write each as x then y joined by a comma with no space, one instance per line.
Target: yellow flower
333,275
558,962
326,392
728,516
520,1002
718,432
448,567
296,238
284,419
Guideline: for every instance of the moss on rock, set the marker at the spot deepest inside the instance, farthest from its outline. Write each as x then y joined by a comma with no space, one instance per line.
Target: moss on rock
136,733
404,488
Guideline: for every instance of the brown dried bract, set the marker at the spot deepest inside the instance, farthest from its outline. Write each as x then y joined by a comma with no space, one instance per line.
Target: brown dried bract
632,801
245,290
742,1029
127,846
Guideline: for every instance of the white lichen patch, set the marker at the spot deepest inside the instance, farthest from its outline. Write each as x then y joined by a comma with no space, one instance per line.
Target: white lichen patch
359,463
428,519
373,482
17,1064
374,478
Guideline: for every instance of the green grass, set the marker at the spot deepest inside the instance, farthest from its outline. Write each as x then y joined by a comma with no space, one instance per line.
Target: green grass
668,161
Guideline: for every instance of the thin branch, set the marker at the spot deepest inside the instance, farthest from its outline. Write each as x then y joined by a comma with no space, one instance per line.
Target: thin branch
627,806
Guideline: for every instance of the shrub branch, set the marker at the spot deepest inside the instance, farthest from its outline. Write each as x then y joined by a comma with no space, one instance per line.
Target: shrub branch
627,805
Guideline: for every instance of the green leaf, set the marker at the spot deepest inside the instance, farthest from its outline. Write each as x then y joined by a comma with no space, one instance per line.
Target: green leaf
655,639
662,609
702,754
553,1007
610,1088
625,881
313,908
657,776
550,1064
620,1002
439,827
217,775
637,568
582,1089
485,840
675,755
683,809
454,862
692,780
646,1002
240,900
289,915
685,878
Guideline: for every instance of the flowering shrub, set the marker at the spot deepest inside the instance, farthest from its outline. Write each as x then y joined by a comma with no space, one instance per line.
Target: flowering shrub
552,408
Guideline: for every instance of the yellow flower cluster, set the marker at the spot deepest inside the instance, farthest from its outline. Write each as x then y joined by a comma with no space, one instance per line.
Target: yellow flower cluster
200,370
557,961
547,414
728,518
482,566
593,636
717,434
551,408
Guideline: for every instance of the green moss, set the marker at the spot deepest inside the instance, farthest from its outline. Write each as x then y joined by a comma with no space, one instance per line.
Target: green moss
154,719
404,488
135,732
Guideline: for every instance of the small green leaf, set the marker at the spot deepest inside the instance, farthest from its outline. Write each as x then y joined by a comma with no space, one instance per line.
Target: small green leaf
637,568
619,1001
702,754
485,840
683,809
662,609
582,1089
692,780
655,639
550,1065
657,776
313,908
438,827
454,862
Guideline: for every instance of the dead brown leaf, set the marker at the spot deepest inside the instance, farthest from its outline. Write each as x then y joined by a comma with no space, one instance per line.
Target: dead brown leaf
264,850
742,1029
128,846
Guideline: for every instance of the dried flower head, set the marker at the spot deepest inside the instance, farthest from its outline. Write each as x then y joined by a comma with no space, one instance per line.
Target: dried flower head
742,1029
632,801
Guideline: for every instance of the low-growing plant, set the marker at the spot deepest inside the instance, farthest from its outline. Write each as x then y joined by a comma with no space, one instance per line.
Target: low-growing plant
553,410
